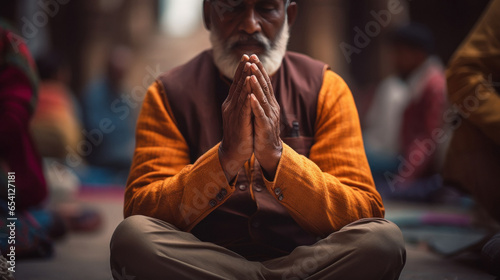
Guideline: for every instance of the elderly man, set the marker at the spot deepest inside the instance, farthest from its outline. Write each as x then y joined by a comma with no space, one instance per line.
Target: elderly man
250,165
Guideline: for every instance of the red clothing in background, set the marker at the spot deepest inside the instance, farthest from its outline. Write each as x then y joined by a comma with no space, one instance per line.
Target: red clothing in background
422,118
17,98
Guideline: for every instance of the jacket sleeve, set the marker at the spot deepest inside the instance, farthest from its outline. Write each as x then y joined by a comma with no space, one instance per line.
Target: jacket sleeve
470,72
334,186
162,182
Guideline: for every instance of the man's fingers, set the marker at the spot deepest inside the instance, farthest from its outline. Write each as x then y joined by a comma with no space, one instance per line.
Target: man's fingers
246,110
240,71
243,79
258,92
236,93
258,111
260,78
241,66
244,92
255,59
266,87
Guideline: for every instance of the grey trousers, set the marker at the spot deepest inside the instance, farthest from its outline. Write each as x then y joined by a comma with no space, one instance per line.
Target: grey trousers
146,248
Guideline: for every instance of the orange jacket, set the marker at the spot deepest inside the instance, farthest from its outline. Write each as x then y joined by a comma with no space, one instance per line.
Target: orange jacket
328,190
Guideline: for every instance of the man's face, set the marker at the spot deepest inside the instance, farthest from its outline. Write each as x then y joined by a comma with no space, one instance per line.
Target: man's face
249,27
243,18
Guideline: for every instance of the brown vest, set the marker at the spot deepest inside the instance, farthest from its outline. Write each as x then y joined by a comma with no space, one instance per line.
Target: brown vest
262,228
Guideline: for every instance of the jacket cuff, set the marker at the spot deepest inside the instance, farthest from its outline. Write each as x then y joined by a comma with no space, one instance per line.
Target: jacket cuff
215,192
275,186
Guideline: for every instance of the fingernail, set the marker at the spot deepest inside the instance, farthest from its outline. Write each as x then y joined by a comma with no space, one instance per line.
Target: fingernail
246,67
244,57
254,79
254,66
255,57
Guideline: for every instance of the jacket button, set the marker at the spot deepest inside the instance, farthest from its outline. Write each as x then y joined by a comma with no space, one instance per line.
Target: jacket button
281,197
277,191
258,188
223,192
212,203
242,187
219,197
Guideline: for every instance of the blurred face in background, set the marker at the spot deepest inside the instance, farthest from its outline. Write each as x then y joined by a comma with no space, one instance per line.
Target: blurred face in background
239,27
407,58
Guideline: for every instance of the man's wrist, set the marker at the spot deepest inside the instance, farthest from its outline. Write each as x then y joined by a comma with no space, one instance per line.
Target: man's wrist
270,165
229,165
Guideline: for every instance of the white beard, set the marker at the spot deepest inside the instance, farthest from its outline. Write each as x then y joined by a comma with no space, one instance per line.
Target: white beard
272,57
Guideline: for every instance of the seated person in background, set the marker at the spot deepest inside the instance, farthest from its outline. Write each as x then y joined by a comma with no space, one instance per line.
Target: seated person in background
250,164
473,158
382,126
19,160
405,159
56,132
112,151
56,125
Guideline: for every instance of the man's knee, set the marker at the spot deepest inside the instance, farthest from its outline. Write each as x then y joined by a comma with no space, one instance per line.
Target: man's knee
375,244
382,240
128,230
131,235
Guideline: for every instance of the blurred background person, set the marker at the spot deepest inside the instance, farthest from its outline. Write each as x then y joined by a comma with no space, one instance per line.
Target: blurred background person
108,100
473,159
56,125
20,162
56,129
382,130
55,103
407,109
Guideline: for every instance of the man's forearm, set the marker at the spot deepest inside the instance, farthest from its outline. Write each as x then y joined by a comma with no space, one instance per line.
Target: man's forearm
229,165
182,197
321,202
270,165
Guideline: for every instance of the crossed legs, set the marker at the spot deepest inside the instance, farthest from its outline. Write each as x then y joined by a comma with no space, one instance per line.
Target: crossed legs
147,248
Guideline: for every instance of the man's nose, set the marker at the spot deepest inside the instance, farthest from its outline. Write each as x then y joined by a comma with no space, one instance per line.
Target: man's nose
250,23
